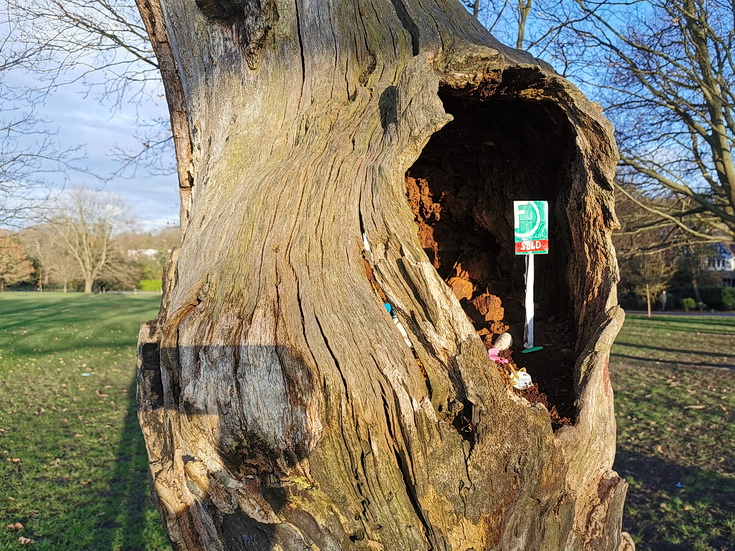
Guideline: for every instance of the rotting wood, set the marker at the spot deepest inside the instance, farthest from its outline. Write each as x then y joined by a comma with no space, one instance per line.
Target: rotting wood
281,406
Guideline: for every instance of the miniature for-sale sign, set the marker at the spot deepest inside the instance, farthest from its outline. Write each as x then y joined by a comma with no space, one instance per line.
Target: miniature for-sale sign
531,221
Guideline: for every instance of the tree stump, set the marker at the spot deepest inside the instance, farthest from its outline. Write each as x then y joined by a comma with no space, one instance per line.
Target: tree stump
335,157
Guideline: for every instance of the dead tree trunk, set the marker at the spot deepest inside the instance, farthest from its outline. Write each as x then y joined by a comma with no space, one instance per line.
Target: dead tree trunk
335,156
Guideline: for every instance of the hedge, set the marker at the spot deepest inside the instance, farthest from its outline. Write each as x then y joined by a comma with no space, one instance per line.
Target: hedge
149,285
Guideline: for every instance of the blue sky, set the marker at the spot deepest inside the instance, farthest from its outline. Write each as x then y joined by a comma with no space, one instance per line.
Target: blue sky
98,126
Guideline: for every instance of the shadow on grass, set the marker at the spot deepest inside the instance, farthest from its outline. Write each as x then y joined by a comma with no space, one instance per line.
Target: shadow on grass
648,360
129,492
725,322
684,326
674,350
671,507
52,311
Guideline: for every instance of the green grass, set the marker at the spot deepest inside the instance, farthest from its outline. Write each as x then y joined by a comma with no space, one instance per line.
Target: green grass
674,378
73,468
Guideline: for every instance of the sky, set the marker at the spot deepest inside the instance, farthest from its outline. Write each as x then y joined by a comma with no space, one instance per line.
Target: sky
98,126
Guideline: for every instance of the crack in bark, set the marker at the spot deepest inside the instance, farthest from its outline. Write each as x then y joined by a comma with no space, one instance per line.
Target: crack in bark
408,24
334,358
300,38
252,20
404,469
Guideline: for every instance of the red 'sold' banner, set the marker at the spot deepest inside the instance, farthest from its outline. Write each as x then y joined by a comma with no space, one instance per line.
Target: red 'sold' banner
532,246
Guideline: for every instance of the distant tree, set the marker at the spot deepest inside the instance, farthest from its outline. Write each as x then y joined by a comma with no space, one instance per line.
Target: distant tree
648,246
122,271
28,150
149,251
15,266
664,72
40,248
54,265
85,223
63,272
648,274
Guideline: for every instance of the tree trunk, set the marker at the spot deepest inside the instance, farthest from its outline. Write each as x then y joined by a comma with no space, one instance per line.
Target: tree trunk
88,282
695,288
648,301
281,404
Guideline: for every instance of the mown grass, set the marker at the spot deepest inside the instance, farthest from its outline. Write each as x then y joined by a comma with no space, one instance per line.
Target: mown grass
73,469
674,378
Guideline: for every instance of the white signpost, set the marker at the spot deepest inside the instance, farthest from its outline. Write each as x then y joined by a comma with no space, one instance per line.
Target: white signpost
531,227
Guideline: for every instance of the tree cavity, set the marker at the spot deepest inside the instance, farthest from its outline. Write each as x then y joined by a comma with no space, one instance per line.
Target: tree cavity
461,190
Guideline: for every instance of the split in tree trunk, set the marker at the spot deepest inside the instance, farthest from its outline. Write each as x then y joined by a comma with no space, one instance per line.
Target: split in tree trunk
335,157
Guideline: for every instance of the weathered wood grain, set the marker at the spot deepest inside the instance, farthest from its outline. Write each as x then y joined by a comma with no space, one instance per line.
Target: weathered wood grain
281,406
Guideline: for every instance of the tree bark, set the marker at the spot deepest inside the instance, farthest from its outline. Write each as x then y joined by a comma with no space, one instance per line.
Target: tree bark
281,405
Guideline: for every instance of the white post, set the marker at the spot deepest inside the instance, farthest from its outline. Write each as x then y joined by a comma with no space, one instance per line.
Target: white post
528,329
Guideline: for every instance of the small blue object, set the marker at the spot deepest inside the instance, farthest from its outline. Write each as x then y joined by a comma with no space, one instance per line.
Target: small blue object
679,485
388,307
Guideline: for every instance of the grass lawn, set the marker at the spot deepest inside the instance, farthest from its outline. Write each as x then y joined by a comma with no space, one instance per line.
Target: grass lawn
674,379
73,469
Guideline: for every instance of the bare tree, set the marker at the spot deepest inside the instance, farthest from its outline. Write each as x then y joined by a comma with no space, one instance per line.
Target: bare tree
85,223
28,151
649,274
28,148
543,27
664,72
54,266
669,74
652,243
103,44
100,41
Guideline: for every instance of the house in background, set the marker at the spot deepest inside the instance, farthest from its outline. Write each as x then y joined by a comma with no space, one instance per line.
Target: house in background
722,264
142,253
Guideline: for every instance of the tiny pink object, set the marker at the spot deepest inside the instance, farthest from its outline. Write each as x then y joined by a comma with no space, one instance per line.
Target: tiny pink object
494,355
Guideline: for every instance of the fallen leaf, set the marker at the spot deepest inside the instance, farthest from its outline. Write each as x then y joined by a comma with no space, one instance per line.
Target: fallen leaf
13,459
17,526
660,449
694,407
25,541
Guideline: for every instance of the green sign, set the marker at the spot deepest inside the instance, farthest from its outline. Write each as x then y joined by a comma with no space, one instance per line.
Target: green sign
531,225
